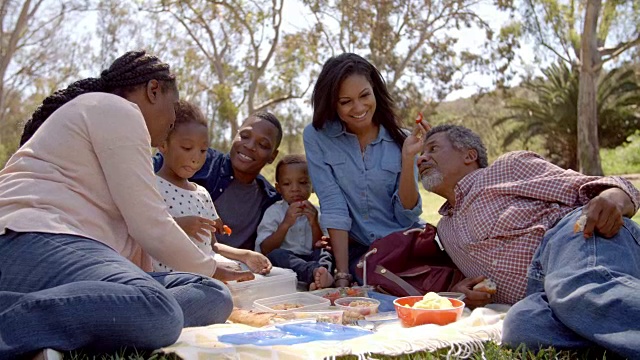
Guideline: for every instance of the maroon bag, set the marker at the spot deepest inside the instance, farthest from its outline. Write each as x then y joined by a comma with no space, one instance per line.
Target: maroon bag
409,263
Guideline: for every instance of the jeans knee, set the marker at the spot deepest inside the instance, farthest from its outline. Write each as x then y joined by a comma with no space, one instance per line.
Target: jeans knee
224,301
161,326
515,328
212,308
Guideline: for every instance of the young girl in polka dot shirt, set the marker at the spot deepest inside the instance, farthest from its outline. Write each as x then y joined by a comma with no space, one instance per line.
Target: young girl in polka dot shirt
190,204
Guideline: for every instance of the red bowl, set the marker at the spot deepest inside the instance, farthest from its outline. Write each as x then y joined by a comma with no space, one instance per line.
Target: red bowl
413,317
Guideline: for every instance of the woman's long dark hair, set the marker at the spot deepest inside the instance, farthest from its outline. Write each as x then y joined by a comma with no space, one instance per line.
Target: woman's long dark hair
325,93
126,73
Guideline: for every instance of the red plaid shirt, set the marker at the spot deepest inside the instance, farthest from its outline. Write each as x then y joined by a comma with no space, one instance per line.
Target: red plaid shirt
503,211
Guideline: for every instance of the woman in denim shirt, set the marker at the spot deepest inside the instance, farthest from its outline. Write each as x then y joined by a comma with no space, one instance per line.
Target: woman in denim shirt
362,164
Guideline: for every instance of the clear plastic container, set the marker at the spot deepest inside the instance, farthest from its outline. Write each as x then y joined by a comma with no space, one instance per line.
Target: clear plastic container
337,293
326,316
278,282
356,308
284,304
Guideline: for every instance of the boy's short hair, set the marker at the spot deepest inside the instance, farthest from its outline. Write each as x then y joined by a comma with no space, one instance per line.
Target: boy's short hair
267,116
188,112
288,160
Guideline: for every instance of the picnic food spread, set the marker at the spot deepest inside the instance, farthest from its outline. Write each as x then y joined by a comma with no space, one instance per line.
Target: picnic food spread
579,225
336,293
286,306
356,308
432,300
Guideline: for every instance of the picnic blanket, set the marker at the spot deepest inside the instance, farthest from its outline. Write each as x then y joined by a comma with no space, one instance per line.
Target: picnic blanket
462,338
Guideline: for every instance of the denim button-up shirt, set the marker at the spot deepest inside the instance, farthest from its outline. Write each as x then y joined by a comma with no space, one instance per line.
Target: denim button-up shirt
358,192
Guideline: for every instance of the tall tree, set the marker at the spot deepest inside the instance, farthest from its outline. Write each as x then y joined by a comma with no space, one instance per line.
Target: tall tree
413,43
36,56
586,34
548,111
248,62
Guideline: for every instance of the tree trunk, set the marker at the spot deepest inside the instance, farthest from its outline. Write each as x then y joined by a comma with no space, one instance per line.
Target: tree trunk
588,147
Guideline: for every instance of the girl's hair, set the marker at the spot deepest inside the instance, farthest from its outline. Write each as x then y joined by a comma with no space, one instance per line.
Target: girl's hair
188,112
325,93
123,76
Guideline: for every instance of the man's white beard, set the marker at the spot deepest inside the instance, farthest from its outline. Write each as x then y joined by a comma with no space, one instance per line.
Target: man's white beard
431,180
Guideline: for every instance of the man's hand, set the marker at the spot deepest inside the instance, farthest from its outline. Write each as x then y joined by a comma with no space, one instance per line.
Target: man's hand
194,225
473,298
257,262
604,213
225,273
323,243
310,211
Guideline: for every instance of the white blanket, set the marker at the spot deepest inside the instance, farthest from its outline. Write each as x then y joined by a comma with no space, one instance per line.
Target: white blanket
462,338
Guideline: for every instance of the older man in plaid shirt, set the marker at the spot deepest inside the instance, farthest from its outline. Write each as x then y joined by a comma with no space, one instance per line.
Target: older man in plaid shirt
514,222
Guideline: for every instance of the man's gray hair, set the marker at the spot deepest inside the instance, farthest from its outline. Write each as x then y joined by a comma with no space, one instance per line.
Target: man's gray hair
462,138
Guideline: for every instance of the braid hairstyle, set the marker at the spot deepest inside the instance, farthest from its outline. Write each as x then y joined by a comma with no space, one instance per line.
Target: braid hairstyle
125,74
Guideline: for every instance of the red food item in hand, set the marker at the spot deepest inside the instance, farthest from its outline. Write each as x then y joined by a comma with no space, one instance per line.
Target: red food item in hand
419,118
227,230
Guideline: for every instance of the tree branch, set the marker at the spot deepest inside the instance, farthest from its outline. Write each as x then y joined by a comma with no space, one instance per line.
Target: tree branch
540,37
612,53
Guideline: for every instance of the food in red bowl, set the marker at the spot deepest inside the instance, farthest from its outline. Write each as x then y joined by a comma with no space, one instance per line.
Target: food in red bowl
410,316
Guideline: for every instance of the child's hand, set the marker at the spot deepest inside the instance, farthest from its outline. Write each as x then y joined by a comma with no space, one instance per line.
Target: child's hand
310,211
323,243
294,211
257,262
226,273
194,225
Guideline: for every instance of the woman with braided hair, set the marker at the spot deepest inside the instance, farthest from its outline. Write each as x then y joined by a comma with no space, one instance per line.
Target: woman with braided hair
80,219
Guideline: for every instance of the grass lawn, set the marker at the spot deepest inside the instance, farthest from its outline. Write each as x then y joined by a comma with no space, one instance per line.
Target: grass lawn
492,352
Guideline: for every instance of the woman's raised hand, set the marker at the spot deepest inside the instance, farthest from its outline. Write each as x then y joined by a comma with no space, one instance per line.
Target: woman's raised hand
413,144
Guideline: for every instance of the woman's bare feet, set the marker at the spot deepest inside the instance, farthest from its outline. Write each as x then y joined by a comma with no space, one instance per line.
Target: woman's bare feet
321,279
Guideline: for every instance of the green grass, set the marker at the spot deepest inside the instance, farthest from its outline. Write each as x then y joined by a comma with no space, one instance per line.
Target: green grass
492,351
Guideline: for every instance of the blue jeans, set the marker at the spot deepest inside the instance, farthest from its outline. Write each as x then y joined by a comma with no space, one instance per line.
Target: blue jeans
581,292
302,265
68,292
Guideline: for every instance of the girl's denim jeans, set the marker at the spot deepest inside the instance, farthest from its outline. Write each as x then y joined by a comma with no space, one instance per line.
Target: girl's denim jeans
68,292
581,292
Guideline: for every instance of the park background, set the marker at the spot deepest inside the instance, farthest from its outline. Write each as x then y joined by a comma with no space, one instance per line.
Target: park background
559,77
524,74
511,70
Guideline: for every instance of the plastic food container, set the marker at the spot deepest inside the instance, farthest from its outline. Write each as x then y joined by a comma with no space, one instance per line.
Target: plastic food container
325,316
336,293
413,317
356,308
284,304
278,282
